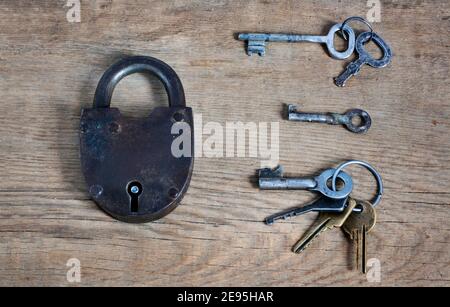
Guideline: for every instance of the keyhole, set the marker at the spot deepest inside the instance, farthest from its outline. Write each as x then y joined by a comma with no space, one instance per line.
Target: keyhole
134,190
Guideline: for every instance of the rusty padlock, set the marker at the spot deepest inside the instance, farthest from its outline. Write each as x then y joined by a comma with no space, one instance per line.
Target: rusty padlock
129,164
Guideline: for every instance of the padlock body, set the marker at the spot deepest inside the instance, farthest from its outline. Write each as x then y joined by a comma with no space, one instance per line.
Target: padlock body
117,151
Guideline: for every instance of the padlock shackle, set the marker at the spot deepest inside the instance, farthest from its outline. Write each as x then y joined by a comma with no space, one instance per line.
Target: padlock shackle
131,65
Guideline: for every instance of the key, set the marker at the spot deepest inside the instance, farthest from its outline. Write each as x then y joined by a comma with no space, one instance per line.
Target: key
357,226
256,42
274,180
347,119
326,221
323,204
364,58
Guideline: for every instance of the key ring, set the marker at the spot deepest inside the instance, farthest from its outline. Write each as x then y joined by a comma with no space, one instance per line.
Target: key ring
369,167
356,18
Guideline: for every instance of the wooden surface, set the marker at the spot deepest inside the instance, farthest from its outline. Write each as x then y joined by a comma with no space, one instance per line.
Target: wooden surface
49,69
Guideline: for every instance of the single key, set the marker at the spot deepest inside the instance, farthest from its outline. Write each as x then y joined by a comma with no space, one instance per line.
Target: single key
357,226
323,204
273,179
348,119
365,58
256,42
326,221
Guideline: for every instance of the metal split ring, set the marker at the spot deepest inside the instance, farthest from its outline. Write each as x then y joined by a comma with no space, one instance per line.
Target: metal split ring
369,167
356,18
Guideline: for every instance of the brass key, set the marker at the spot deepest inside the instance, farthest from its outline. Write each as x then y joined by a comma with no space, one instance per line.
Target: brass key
357,226
326,221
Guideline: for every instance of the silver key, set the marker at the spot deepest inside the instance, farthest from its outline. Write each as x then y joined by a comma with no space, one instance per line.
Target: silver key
346,119
257,41
365,58
323,204
273,180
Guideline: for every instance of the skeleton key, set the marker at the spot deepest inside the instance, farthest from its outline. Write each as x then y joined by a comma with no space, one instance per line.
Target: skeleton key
365,58
274,180
357,226
326,221
346,119
257,41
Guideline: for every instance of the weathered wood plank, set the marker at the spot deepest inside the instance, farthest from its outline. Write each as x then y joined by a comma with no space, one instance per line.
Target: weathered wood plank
49,69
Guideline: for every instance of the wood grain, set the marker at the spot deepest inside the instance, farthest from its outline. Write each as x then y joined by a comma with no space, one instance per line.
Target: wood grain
49,69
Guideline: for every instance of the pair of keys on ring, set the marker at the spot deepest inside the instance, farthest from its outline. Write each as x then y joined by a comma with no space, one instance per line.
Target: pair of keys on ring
337,209
256,44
